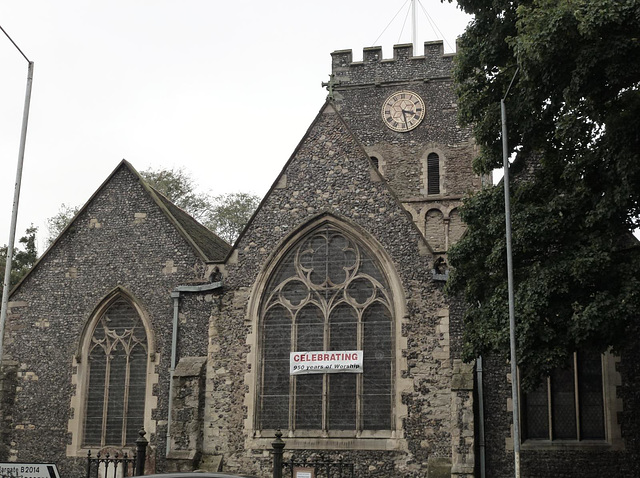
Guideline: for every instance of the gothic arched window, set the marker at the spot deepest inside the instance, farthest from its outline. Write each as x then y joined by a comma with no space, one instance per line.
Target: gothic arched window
117,372
328,293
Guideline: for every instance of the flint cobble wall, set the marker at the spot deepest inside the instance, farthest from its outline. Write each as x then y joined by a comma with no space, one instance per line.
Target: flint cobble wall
564,462
330,174
120,239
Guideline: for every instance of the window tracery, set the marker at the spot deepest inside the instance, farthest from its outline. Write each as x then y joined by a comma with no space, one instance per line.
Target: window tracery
328,293
117,371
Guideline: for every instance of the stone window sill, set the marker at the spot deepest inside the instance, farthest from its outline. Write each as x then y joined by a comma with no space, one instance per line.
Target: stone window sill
556,445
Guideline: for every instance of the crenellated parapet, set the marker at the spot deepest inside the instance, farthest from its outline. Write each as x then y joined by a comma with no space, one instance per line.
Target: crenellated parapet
404,66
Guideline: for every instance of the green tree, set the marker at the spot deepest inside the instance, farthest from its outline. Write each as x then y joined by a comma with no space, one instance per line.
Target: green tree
226,214
57,222
24,257
179,187
573,118
230,213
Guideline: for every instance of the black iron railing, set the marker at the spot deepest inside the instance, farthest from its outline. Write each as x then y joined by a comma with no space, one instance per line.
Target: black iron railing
119,465
322,468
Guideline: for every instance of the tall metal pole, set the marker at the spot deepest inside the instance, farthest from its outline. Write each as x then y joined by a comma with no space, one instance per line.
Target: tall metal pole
14,214
512,320
414,39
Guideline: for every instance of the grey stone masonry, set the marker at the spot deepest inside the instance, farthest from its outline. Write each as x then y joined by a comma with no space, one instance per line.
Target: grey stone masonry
359,91
186,418
329,178
137,251
374,70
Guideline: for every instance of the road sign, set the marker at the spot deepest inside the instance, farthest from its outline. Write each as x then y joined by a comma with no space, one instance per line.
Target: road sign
29,470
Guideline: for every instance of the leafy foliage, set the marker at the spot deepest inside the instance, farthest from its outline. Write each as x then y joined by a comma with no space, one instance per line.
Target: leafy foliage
573,118
57,223
230,213
226,214
180,188
23,259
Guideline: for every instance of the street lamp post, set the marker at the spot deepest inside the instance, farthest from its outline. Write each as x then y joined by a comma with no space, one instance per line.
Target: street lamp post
16,200
512,321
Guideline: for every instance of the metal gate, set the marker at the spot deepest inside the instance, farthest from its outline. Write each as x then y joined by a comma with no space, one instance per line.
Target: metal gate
302,468
119,466
321,469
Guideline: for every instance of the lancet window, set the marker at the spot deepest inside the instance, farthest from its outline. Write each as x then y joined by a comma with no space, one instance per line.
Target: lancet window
117,371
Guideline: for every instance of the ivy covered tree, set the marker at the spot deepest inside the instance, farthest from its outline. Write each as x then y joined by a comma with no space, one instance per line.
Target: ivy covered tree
24,257
574,133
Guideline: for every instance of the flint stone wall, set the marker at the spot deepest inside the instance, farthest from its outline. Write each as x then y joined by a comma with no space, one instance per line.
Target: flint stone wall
120,239
588,461
330,174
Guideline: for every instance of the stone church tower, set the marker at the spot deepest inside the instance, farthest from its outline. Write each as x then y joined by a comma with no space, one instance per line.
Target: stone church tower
346,252
426,161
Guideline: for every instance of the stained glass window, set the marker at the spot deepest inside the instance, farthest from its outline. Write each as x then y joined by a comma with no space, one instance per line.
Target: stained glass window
327,293
117,361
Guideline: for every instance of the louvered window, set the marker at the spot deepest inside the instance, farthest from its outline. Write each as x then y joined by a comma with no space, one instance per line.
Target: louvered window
117,362
433,174
569,405
328,293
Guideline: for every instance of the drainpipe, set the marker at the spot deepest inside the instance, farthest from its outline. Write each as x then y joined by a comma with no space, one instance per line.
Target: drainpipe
175,295
481,445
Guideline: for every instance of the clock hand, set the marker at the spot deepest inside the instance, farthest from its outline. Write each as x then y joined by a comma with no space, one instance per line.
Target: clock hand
405,119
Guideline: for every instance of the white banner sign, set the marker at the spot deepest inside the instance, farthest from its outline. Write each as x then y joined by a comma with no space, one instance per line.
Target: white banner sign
325,362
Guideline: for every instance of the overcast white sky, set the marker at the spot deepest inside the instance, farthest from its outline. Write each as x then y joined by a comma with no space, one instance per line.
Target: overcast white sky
225,89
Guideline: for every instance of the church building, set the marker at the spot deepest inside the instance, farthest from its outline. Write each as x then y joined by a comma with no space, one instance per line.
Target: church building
326,320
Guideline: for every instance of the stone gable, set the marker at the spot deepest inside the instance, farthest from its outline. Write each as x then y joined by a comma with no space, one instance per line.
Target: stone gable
330,177
136,249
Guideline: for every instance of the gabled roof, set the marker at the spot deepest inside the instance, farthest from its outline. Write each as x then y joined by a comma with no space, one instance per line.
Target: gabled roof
205,243
328,105
211,245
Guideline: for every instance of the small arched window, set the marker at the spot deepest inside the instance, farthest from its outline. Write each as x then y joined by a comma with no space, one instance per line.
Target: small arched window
375,161
327,294
433,174
117,371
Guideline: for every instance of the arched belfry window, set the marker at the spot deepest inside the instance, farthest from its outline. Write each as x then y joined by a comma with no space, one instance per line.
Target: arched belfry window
433,174
116,373
328,293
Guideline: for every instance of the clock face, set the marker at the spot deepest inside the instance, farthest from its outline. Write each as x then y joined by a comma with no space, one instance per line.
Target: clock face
403,111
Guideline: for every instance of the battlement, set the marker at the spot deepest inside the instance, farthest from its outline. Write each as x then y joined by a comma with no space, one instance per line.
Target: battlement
402,67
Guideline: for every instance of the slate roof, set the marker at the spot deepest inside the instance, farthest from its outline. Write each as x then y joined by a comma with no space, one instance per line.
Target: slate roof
211,245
